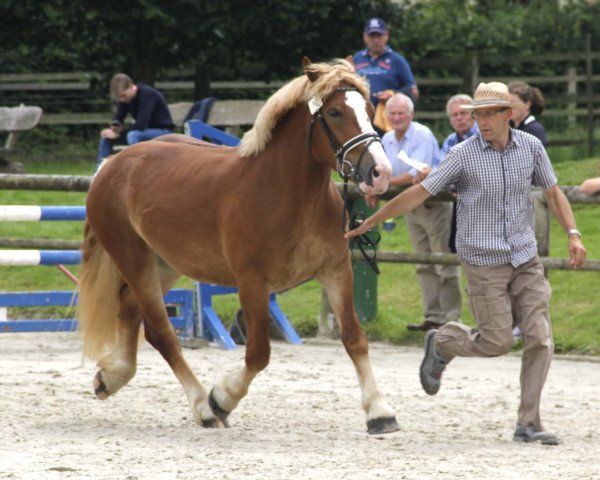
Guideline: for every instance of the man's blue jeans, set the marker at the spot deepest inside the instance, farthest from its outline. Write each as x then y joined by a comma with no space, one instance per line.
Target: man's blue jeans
105,148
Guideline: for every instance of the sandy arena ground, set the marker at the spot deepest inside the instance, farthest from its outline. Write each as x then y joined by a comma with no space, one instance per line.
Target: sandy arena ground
301,420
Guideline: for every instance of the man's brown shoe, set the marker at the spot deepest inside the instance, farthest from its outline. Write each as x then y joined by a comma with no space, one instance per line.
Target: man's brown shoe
423,327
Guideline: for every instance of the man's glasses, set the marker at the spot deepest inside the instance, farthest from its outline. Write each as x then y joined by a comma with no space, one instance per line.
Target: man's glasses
485,115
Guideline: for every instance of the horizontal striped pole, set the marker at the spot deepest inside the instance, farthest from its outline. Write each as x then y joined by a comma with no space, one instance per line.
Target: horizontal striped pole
39,257
34,213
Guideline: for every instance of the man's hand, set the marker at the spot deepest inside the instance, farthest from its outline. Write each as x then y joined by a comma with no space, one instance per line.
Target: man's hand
421,175
384,95
415,92
109,133
362,228
577,251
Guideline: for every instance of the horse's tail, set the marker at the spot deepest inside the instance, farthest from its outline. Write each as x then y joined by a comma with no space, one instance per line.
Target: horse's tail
98,306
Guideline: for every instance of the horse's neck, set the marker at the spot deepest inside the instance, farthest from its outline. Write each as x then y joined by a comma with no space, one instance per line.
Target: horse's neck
293,157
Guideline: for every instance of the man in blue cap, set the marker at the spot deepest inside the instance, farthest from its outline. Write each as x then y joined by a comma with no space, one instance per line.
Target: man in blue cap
387,71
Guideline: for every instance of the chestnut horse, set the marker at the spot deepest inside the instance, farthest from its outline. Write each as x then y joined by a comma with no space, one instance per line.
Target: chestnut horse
263,217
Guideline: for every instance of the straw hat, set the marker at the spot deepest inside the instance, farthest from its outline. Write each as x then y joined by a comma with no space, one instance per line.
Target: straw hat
493,94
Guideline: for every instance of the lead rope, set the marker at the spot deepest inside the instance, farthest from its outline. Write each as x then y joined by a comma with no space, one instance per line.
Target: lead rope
364,242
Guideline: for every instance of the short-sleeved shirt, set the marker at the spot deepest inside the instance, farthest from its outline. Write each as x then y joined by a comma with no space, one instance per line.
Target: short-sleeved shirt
495,210
149,109
389,71
418,142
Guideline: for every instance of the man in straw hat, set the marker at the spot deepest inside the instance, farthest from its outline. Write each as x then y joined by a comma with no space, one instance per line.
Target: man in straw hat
493,172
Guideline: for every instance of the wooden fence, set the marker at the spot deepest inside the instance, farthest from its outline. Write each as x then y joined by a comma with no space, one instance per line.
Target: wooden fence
327,326
70,183
80,98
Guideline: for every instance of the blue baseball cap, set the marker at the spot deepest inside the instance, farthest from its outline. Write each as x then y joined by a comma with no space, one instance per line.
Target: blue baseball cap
375,25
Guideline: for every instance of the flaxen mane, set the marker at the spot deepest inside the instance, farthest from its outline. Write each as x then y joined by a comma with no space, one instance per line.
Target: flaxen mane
331,75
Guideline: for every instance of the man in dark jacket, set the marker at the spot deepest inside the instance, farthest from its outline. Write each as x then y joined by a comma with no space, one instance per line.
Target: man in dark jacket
145,104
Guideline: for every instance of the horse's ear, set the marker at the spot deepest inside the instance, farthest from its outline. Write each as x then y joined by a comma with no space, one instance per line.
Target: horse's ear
312,76
350,60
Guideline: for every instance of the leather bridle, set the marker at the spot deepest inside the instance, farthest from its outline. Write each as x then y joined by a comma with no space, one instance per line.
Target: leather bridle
364,243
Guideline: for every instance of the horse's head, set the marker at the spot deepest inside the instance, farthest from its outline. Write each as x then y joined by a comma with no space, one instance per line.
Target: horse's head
340,108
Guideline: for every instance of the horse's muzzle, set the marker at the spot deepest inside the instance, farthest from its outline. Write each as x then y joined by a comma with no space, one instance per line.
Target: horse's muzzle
377,185
373,177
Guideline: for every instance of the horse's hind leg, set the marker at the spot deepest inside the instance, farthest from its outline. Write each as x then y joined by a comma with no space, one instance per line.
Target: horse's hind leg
338,284
226,394
119,367
141,271
147,282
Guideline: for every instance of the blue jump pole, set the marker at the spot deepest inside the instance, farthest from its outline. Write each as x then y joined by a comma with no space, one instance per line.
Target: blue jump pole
35,213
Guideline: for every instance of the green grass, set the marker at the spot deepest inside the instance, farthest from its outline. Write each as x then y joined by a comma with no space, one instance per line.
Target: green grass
574,303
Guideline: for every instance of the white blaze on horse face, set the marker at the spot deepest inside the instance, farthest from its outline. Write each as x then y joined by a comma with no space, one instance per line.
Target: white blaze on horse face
383,167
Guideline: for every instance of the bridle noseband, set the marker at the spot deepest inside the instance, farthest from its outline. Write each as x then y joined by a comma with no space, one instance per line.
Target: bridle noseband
365,244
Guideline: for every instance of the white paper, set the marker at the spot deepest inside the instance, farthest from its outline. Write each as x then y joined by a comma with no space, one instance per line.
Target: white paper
411,161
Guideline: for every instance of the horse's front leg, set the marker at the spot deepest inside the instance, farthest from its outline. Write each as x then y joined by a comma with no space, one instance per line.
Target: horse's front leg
340,292
227,393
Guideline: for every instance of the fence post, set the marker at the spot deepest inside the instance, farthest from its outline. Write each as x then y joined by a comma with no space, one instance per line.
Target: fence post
541,218
572,98
471,74
589,95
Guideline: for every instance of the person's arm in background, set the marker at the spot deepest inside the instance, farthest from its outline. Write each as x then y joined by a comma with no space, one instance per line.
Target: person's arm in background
406,77
427,152
560,207
146,106
116,124
120,115
590,186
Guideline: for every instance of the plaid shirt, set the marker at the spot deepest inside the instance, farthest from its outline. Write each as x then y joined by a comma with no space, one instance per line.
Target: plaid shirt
495,210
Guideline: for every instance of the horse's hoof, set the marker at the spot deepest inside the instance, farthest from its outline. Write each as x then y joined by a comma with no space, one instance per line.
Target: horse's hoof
210,423
214,423
217,410
382,425
100,388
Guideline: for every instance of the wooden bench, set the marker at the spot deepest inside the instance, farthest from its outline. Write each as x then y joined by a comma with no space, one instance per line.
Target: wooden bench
14,120
232,115
228,115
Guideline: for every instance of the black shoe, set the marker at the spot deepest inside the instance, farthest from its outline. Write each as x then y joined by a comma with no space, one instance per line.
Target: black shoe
423,327
432,366
528,433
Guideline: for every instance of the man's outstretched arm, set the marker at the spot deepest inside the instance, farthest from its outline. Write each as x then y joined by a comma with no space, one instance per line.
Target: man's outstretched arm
403,203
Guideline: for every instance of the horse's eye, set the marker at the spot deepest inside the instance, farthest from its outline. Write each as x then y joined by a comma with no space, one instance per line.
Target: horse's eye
334,113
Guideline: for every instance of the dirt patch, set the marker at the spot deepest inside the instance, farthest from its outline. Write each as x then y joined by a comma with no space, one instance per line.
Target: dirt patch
301,419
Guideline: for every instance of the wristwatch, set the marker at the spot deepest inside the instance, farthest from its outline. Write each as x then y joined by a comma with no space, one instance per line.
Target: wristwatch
575,232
